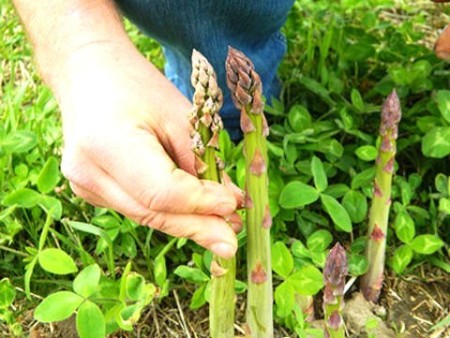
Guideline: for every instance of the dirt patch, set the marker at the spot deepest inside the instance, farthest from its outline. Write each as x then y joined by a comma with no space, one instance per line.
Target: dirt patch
417,302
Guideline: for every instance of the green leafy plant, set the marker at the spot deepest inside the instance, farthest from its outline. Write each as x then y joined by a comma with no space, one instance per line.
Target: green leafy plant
205,139
7,297
436,142
128,296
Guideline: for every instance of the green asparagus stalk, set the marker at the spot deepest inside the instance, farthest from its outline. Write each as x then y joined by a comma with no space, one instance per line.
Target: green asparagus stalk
334,274
372,281
207,124
246,90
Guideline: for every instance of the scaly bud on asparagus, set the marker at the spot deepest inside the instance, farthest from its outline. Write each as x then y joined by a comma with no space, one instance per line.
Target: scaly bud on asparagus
334,274
372,281
207,124
246,91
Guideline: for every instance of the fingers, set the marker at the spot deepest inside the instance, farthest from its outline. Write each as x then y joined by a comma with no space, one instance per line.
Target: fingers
143,169
239,194
235,221
98,188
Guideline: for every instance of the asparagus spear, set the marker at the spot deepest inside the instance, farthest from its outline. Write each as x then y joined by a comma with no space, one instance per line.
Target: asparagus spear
372,281
334,274
207,124
246,89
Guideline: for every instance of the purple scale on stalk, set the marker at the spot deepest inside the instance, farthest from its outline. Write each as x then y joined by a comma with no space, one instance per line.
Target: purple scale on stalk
335,321
258,166
248,202
258,275
389,167
376,189
267,220
247,125
377,234
386,144
217,270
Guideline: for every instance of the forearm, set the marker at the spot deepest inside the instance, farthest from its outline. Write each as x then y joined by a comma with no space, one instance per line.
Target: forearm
60,29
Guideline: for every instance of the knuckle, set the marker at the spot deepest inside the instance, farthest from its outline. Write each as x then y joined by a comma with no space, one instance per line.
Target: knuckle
74,168
154,220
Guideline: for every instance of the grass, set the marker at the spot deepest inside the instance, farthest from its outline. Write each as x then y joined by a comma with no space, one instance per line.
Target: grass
343,58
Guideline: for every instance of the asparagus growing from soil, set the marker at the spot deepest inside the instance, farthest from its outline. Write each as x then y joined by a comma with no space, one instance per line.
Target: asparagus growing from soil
334,274
372,281
207,124
246,91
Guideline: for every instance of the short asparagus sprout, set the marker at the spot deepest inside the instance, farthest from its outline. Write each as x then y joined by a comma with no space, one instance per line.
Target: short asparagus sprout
207,124
335,272
372,281
246,92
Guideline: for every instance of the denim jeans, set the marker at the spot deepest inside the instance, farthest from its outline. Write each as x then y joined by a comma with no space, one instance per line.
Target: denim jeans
210,26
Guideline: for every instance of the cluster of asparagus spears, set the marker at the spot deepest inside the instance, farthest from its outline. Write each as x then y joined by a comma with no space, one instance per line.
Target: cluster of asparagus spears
246,91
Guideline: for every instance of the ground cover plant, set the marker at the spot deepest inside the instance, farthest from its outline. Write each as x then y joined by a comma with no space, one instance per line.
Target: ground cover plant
62,259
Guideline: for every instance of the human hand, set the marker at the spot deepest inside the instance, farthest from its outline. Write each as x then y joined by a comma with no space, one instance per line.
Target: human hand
127,147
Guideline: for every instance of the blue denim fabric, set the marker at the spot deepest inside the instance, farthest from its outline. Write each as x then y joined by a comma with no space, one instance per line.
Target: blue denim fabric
210,26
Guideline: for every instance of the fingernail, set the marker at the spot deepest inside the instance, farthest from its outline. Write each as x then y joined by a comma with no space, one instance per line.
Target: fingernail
222,249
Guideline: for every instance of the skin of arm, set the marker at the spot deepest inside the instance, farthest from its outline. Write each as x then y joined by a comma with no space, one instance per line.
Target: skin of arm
125,126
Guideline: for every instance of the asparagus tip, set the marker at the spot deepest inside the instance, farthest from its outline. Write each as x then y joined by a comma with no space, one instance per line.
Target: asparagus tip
336,266
390,115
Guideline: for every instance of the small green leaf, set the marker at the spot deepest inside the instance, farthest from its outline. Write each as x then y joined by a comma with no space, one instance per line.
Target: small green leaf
24,198
337,190
135,286
356,205
19,141
363,178
367,153
337,213
404,227
299,118
56,261
307,281
401,259
7,293
442,183
319,240
57,306
357,100
319,175
282,260
436,143
284,299
51,205
319,258
299,250
198,298
86,283
192,275
90,321
426,244
160,270
297,194
443,102
444,205
357,264
49,176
